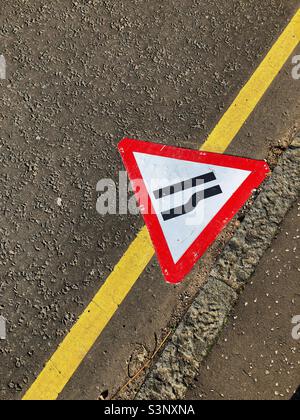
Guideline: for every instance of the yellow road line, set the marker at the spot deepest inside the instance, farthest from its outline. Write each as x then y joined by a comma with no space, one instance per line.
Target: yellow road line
254,90
79,341
92,322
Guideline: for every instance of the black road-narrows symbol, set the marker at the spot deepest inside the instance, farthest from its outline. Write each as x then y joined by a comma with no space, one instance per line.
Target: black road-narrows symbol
194,200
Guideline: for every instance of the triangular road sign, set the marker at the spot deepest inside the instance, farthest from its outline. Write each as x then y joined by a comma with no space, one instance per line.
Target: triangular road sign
187,197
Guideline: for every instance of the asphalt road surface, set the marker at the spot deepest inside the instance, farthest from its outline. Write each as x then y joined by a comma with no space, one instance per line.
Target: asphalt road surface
259,360
81,76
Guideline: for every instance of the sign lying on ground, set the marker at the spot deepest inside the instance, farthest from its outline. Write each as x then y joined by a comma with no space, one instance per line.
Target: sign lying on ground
187,197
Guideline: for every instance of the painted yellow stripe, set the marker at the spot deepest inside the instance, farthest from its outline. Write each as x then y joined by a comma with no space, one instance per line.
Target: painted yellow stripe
92,322
97,315
254,90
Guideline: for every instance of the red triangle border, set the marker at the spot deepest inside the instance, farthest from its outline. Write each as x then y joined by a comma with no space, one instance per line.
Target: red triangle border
175,273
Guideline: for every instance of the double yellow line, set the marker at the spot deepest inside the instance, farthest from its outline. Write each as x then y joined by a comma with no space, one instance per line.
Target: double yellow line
79,341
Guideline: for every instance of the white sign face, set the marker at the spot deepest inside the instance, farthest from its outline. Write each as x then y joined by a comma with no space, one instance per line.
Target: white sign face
187,197
216,186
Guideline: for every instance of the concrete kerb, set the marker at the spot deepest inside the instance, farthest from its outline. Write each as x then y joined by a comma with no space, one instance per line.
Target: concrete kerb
178,364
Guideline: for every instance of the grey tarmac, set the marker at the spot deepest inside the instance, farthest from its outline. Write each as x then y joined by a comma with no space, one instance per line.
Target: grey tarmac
260,359
81,76
194,339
